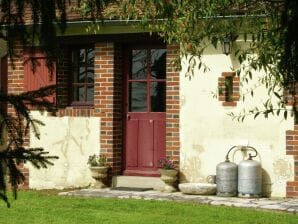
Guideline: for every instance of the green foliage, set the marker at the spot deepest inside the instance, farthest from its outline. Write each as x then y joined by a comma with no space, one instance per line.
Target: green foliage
14,127
36,208
97,160
267,28
44,17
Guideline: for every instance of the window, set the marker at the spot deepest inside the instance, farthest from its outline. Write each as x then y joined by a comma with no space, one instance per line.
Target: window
82,73
147,80
228,88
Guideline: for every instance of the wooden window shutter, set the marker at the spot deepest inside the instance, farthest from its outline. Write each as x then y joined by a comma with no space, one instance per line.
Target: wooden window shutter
41,75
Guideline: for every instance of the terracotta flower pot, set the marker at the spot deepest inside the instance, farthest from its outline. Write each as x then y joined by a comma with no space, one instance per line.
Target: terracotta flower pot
99,173
169,177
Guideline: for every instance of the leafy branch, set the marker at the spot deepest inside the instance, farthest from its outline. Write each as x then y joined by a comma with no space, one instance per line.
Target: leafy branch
14,127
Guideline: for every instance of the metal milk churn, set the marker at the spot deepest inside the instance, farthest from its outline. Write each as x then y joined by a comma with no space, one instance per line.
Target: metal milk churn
226,178
249,177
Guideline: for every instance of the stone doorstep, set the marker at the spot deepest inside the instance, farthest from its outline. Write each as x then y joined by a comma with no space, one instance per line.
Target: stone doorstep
138,182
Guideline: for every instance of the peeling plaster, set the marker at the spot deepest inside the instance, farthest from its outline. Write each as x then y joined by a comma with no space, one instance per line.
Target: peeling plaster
283,169
72,140
207,132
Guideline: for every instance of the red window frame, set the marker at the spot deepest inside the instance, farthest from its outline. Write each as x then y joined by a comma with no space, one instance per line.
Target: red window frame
148,79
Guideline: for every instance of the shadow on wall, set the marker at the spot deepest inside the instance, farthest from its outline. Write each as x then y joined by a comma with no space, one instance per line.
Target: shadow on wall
266,184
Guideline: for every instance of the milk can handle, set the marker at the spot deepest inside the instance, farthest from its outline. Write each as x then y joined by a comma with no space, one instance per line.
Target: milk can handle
253,149
227,156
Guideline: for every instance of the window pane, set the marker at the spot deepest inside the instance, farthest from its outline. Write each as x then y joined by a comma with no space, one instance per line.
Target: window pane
82,75
158,63
138,97
229,88
139,62
158,96
75,57
90,93
82,57
79,93
90,56
90,74
75,74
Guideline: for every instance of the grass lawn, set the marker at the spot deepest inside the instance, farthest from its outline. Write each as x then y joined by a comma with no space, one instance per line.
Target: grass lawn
42,207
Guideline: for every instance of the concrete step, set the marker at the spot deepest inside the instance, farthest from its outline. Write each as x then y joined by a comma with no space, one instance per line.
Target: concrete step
137,181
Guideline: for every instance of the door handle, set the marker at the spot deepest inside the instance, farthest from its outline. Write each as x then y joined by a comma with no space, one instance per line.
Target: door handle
127,117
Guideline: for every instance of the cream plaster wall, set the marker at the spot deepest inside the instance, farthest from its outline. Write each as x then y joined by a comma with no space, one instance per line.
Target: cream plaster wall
207,132
73,139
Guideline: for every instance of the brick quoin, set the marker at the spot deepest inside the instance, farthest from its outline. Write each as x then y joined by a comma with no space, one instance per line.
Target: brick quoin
107,99
292,149
15,85
172,105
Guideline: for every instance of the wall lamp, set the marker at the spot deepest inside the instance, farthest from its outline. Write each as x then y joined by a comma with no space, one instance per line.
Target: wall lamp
226,45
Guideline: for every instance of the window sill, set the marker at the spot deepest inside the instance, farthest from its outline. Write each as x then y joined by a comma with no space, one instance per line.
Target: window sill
80,106
229,104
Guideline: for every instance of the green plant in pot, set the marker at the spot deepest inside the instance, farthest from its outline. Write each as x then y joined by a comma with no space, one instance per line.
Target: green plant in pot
168,173
99,169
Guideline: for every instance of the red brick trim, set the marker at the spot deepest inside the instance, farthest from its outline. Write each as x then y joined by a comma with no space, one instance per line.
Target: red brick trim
172,106
229,104
292,149
227,74
232,99
107,101
15,85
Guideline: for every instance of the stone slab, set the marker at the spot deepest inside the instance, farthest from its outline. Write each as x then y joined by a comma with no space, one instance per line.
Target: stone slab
198,188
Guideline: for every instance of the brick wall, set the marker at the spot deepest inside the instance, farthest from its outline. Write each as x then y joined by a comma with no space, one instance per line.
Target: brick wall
70,9
62,80
292,149
172,105
107,98
62,89
107,101
15,85
69,5
118,110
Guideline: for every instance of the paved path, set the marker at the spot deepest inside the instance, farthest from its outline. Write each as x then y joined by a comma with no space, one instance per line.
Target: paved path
286,205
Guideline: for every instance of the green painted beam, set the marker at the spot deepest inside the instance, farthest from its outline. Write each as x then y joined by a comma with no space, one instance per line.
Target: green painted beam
93,28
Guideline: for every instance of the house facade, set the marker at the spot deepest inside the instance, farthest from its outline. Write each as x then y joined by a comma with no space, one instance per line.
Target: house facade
119,94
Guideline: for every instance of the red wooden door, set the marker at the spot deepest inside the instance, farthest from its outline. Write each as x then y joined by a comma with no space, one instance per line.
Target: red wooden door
145,110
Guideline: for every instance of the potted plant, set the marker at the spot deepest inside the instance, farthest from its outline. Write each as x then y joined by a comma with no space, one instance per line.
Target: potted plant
99,169
168,173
